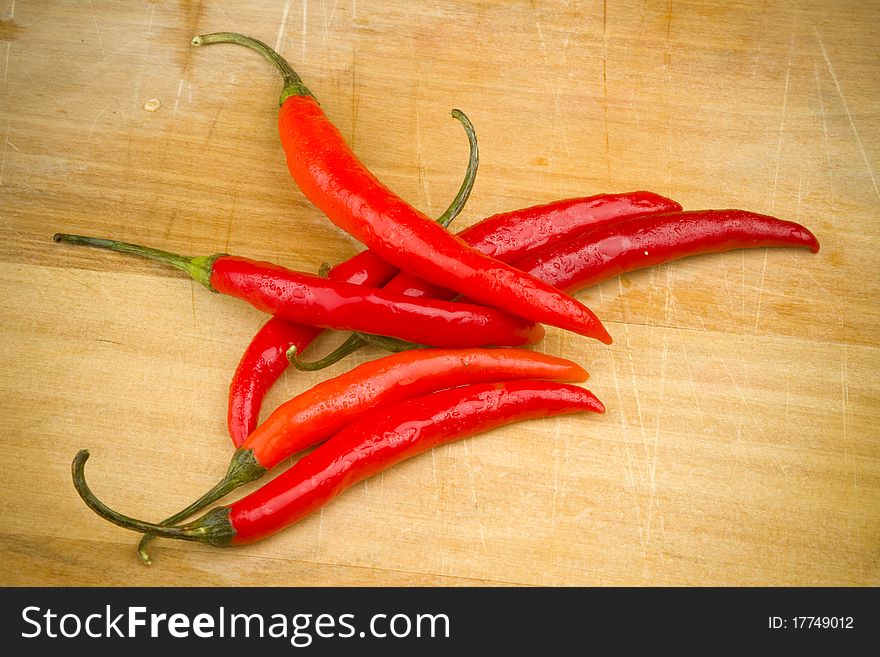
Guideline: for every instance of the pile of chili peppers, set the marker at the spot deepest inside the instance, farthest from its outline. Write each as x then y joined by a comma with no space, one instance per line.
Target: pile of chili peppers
454,310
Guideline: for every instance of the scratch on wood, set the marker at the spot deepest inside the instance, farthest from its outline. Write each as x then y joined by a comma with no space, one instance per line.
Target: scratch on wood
648,453
98,31
743,403
760,294
848,113
782,123
844,402
355,99
326,21
320,531
177,98
632,375
775,177
192,289
629,474
604,18
725,280
213,124
5,150
541,44
605,103
305,26
94,124
423,178
281,26
470,470
827,145
231,217
696,397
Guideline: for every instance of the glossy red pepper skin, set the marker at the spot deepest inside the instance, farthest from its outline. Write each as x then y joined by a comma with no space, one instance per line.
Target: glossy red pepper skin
507,236
365,268
511,236
317,413
262,363
628,245
320,302
391,435
333,179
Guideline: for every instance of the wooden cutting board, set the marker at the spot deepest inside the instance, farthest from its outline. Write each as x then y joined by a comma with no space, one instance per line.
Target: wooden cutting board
740,446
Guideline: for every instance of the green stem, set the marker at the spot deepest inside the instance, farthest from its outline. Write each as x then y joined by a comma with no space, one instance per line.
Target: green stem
470,173
198,267
243,468
293,84
388,344
213,528
351,345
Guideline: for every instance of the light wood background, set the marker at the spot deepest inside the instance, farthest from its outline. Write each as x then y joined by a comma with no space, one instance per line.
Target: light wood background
740,446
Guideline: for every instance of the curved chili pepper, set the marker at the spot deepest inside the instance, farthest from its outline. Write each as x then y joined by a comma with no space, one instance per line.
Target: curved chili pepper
333,179
265,358
318,413
317,301
628,245
361,450
511,236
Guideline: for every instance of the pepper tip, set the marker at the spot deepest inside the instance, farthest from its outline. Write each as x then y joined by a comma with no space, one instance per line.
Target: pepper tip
603,336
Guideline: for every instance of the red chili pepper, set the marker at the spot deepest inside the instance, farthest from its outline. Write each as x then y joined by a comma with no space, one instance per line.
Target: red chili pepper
365,448
321,302
511,236
318,413
506,236
262,363
628,245
332,178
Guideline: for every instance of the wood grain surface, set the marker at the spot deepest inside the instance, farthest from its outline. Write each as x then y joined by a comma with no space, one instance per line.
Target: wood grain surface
740,446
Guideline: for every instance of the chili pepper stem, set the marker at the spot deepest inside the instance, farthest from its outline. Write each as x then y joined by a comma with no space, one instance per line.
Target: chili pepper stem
394,345
243,468
198,267
352,344
213,528
464,191
293,84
